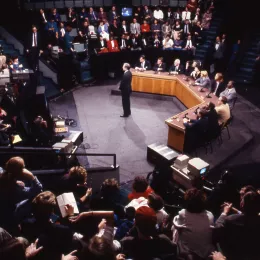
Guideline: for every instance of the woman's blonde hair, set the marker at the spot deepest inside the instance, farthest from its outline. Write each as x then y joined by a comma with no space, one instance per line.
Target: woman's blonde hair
204,73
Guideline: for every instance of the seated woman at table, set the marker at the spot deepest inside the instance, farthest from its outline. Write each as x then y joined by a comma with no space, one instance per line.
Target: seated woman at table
103,30
203,81
195,74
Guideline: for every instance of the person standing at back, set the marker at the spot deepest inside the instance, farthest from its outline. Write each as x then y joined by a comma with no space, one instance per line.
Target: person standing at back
126,89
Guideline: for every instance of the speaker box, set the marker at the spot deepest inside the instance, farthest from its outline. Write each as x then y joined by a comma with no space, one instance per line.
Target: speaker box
146,2
160,154
108,2
154,2
136,2
88,3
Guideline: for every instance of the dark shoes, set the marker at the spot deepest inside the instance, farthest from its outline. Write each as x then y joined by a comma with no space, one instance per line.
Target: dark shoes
124,115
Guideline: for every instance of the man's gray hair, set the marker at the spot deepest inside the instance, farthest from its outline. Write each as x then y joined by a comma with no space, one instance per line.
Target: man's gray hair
127,66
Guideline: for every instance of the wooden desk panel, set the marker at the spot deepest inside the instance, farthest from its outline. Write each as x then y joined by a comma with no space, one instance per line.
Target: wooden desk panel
165,84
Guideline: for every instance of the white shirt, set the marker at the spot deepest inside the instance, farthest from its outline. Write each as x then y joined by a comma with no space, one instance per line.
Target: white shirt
124,28
112,44
34,44
158,14
62,30
169,14
123,43
43,16
144,41
186,28
102,43
188,44
185,15
168,44
216,88
216,46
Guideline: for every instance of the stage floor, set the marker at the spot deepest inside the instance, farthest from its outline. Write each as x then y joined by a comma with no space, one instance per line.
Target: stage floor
98,115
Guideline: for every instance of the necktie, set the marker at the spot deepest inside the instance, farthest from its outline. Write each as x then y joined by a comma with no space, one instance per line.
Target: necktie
94,16
34,37
123,43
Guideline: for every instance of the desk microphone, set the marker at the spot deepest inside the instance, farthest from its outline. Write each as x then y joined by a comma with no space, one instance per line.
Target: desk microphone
196,110
185,116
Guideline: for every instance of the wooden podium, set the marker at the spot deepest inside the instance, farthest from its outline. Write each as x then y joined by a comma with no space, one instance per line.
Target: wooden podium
172,85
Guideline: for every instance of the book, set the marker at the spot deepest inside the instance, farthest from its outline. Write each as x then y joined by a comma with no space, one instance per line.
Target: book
65,199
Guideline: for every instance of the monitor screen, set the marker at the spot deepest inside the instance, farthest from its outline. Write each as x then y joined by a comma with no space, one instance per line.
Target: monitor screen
127,12
79,47
203,171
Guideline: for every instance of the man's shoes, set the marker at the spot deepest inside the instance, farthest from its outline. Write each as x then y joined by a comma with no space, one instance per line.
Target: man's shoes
124,116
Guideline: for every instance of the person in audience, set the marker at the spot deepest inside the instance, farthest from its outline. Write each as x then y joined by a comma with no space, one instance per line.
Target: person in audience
203,82
56,239
192,227
76,181
156,28
103,30
190,65
189,45
102,15
169,16
135,27
186,28
145,27
158,14
124,28
167,43
178,43
196,16
145,42
113,14
177,30
166,29
55,15
92,17
186,15
112,45
83,15
237,234
230,93
135,42
17,184
156,41
102,45
192,5
148,15
197,33
143,64
71,17
206,19
52,31
177,15
15,64
43,19
195,74
124,43
176,67
85,28
146,238
217,85
223,110
138,14
62,34
114,29
140,188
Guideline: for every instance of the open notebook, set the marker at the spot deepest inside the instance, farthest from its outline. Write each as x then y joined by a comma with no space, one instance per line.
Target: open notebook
63,200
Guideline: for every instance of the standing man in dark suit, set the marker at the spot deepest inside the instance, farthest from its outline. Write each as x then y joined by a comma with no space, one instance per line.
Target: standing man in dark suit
126,89
34,48
218,55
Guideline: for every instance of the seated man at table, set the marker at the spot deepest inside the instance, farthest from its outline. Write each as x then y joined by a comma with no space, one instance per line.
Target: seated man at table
195,129
230,93
203,82
176,68
143,64
159,66
167,43
213,125
223,110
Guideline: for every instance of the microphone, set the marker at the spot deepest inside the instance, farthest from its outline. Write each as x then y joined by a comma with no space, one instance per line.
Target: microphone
196,110
185,116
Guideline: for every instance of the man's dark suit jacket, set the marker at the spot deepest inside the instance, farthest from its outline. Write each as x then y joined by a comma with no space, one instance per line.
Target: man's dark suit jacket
238,235
218,54
29,41
213,126
147,65
156,66
179,70
221,87
199,126
126,83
